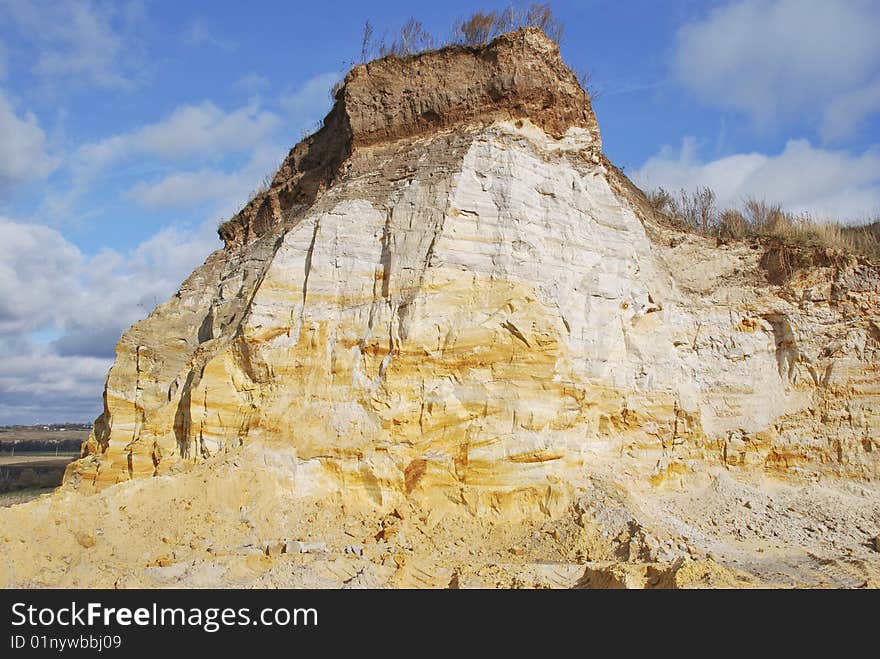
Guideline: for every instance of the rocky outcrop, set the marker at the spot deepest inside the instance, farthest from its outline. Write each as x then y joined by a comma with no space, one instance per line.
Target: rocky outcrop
519,75
451,333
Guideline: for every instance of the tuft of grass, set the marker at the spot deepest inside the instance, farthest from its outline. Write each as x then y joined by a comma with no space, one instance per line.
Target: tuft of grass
411,39
696,211
480,27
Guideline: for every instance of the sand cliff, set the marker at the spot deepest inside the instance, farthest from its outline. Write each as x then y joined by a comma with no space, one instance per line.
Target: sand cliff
452,345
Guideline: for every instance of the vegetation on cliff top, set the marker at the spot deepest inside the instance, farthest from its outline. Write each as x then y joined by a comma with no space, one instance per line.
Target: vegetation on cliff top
476,30
697,211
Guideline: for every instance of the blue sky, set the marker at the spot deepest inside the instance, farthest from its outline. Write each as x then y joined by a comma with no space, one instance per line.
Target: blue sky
129,130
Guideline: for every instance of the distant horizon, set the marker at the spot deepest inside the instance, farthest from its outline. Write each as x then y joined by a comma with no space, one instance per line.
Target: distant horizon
129,131
54,424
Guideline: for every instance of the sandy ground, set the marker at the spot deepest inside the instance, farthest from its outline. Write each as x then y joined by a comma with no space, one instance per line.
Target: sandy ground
231,522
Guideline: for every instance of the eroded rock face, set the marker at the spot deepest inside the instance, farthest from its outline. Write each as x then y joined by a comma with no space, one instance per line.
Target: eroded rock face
457,326
519,75
481,327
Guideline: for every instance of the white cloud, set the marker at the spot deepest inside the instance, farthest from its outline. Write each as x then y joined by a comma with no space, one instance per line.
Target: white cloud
227,190
312,98
207,131
47,285
802,178
201,132
183,189
23,155
35,263
47,281
190,130
846,112
783,58
41,386
76,39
